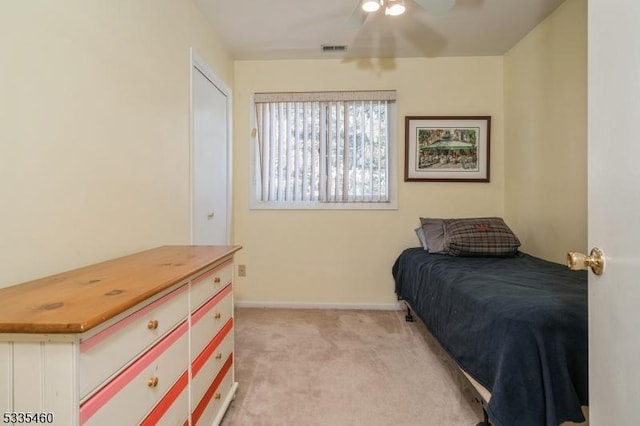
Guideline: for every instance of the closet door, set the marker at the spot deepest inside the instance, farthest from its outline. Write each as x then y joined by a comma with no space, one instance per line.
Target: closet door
210,159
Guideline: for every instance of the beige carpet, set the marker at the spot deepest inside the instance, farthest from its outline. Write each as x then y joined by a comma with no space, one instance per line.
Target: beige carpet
325,367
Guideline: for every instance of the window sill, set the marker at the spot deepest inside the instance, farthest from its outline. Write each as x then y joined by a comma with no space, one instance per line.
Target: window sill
302,205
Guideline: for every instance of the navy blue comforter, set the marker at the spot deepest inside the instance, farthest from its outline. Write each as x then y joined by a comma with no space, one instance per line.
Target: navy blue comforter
517,325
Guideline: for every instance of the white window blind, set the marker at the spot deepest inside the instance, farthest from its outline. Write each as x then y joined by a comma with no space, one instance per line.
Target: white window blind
326,147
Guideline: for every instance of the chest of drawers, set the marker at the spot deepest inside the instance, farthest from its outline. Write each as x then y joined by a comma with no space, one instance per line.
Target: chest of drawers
143,339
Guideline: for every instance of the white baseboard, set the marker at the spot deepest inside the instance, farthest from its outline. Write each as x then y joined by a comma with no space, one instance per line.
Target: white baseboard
394,306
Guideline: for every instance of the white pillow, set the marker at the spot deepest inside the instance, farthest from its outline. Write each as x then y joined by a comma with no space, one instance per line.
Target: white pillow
433,230
420,234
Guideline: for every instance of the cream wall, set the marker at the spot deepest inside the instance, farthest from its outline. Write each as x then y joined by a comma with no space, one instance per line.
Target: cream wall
334,257
546,134
94,129
94,146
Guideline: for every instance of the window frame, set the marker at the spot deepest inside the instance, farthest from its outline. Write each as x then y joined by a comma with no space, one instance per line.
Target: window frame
392,150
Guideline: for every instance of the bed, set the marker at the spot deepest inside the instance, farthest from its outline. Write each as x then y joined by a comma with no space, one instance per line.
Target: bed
516,324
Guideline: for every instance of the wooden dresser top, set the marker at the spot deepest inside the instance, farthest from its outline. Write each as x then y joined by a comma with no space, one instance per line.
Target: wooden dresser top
78,300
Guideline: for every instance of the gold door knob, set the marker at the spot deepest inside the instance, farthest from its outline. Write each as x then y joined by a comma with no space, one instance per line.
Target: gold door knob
216,280
152,382
152,325
217,396
595,261
217,315
219,355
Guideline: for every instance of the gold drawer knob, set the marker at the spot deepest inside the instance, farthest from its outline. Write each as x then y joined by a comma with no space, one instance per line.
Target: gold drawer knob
217,315
219,355
216,280
217,396
152,325
152,382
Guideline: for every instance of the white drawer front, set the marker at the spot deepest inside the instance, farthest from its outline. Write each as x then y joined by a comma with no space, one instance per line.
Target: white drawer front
131,394
208,284
215,392
6,387
105,353
172,409
209,319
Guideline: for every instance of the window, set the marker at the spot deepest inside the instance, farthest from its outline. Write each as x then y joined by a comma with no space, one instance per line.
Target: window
325,150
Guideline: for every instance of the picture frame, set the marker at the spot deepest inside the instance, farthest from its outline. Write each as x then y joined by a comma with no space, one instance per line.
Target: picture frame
447,148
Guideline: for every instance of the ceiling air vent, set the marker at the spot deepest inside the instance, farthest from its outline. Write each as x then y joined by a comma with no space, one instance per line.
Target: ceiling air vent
333,48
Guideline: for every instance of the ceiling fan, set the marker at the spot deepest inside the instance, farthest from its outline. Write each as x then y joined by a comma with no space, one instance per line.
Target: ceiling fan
378,36
398,7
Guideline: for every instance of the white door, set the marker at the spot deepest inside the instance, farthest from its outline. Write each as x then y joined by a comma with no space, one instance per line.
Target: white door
210,165
614,211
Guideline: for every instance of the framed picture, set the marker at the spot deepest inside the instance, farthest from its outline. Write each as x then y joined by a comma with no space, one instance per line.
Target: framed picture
447,149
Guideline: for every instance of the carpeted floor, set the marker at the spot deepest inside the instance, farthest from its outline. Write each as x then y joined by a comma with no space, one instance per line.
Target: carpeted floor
326,367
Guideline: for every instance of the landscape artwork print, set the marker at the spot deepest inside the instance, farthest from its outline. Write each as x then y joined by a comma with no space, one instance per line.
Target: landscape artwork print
447,148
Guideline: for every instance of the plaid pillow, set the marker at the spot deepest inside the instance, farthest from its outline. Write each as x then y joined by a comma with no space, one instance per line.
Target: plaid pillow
487,236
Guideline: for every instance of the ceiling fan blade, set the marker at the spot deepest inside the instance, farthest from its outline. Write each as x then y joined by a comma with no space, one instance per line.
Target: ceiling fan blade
436,6
357,17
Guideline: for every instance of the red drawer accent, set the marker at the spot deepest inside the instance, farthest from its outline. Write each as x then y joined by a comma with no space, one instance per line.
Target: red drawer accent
206,399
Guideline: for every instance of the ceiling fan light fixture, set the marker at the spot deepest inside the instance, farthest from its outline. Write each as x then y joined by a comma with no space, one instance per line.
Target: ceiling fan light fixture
371,5
395,8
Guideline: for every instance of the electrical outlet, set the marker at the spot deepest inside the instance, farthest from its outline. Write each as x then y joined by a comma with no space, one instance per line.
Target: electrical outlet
242,270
